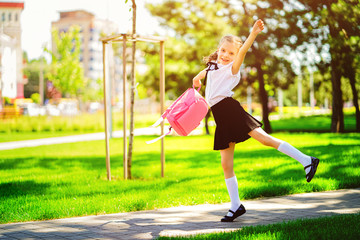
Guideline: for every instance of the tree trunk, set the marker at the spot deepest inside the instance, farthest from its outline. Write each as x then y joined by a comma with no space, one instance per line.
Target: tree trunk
337,119
355,98
349,71
132,93
207,122
264,100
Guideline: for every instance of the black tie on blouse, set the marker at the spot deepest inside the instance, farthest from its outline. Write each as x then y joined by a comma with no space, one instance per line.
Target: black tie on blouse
211,66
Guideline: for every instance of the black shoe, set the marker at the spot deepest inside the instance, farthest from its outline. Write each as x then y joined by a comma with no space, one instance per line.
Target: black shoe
314,164
241,210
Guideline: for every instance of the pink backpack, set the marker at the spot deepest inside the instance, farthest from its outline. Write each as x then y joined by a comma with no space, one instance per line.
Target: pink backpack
185,114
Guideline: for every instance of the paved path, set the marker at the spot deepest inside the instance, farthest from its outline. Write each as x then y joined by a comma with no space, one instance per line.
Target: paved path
74,138
83,137
187,220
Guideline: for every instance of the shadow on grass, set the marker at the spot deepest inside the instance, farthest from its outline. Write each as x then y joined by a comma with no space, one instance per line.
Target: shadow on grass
22,188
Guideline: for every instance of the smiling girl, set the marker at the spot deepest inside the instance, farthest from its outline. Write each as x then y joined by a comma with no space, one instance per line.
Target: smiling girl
233,123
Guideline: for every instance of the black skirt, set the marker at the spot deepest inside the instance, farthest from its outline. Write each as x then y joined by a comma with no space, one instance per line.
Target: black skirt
233,123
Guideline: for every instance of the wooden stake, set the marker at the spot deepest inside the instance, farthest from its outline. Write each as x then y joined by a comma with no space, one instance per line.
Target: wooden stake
162,103
106,115
124,110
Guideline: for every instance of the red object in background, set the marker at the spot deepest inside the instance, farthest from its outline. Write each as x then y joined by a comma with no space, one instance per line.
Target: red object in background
51,91
20,90
12,4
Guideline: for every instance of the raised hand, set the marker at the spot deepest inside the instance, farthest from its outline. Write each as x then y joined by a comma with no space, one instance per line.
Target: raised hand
258,26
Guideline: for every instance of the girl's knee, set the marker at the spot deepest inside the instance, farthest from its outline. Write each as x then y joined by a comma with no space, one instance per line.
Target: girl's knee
226,166
228,170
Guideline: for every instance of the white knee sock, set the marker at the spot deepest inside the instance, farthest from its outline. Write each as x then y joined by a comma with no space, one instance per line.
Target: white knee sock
296,154
232,187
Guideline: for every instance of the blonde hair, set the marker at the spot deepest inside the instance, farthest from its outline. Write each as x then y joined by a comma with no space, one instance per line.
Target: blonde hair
230,38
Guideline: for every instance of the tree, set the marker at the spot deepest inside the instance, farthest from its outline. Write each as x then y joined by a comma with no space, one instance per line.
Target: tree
132,92
66,72
348,14
337,21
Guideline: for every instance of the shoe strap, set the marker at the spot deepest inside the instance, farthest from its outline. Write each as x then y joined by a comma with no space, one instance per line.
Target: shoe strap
310,165
231,211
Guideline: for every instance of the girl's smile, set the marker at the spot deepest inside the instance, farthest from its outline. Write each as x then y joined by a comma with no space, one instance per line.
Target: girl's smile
227,52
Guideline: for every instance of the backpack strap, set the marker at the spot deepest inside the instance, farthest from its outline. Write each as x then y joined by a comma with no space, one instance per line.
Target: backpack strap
162,136
211,66
157,123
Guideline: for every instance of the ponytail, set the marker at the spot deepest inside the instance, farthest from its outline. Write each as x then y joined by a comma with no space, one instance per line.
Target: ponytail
230,38
212,57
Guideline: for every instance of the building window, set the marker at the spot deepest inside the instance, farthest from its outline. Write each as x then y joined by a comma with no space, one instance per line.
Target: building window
9,17
16,17
3,17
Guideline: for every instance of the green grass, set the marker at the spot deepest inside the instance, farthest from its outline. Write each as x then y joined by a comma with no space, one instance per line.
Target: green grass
315,123
66,180
27,128
327,228
83,123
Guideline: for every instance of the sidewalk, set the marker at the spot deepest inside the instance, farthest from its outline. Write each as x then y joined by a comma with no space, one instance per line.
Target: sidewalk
82,137
187,220
74,138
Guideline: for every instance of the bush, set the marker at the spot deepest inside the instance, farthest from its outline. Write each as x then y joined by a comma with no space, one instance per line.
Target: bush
35,97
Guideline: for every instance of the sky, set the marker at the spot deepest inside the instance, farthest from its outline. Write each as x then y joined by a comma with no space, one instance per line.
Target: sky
37,16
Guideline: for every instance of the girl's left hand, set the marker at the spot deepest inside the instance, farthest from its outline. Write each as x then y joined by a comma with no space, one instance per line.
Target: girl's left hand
258,26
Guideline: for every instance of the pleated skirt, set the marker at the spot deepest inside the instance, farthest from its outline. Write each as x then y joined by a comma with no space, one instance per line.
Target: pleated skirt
233,123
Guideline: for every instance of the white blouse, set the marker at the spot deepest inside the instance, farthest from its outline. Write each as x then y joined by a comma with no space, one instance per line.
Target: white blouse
220,83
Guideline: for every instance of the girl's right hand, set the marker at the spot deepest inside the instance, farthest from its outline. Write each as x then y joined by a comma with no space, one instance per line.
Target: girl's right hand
196,83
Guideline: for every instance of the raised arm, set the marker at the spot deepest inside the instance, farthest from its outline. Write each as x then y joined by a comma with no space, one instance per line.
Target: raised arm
239,59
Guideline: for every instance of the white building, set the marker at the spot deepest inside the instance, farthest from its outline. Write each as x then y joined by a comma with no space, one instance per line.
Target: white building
11,69
8,84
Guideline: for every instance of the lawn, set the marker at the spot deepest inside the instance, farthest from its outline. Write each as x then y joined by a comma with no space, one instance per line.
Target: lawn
315,123
327,228
50,126
67,180
25,128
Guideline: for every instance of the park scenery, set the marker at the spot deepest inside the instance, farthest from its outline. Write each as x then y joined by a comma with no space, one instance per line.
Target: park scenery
300,78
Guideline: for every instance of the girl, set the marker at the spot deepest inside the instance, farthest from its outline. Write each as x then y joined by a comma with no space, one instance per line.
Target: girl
233,123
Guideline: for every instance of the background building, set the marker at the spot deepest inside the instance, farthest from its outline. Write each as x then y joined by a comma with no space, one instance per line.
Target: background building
91,30
8,84
11,69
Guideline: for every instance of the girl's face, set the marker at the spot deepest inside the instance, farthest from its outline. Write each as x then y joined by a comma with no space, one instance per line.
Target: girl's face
227,52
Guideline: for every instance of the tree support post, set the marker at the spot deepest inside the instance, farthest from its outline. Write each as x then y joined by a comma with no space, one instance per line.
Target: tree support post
125,162
162,102
106,115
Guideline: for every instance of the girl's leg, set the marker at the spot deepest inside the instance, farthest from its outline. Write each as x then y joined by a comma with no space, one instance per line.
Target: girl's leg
227,160
260,135
227,163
